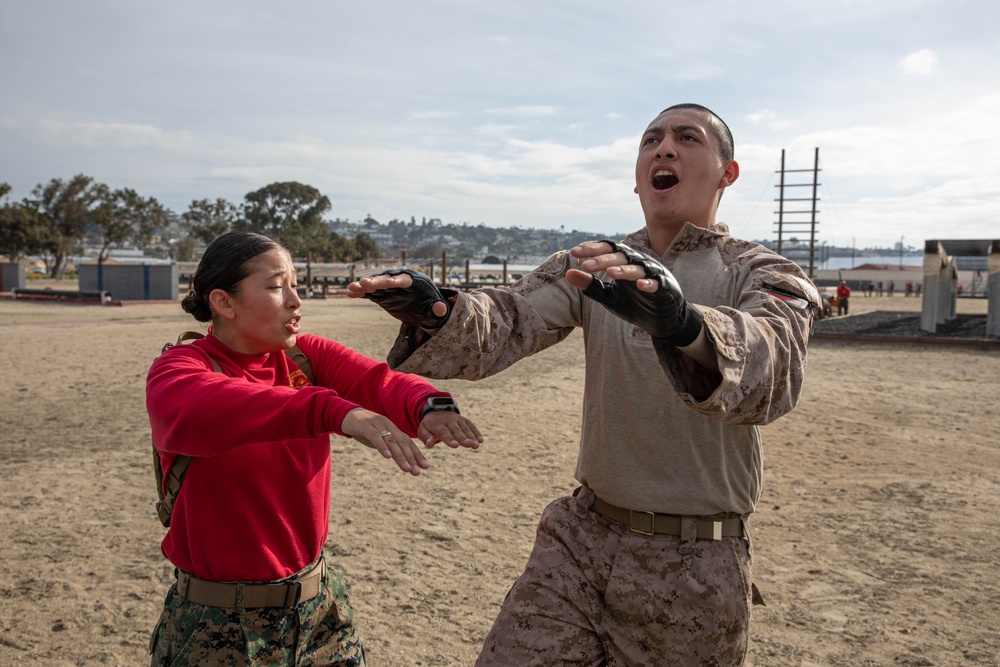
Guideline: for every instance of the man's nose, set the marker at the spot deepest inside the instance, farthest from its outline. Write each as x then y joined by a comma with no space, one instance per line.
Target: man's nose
665,151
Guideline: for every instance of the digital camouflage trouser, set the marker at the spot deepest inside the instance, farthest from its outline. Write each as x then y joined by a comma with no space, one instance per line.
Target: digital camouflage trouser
595,593
319,631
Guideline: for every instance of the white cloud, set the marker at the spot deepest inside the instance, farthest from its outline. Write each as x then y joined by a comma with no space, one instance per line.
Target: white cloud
433,115
760,116
535,111
922,62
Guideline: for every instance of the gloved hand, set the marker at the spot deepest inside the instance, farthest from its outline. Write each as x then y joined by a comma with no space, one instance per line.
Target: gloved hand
664,314
412,305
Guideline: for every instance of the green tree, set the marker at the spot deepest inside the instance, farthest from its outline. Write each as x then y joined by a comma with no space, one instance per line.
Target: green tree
184,249
365,244
342,249
206,220
19,232
123,217
64,209
291,213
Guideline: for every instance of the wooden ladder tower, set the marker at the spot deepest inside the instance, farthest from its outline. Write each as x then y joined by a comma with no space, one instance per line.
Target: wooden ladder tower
794,223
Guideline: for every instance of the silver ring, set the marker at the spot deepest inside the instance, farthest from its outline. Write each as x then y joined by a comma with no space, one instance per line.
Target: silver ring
385,434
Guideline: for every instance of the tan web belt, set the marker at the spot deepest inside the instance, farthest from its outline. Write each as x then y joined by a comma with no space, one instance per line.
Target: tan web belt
651,523
254,596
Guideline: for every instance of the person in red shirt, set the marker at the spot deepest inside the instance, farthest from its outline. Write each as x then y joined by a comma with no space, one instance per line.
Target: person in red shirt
247,529
843,294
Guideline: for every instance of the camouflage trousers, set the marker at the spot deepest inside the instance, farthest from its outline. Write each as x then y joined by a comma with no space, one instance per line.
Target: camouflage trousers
595,593
318,631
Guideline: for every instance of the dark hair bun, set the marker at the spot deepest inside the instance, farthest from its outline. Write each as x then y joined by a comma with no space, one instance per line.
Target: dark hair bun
197,307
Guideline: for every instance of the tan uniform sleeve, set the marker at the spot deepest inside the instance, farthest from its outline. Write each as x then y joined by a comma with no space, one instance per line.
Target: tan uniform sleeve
760,346
490,329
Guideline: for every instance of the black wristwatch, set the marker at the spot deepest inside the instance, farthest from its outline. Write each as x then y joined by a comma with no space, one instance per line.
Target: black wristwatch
438,404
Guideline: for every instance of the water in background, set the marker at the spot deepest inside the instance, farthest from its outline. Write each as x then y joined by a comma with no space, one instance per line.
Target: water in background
834,263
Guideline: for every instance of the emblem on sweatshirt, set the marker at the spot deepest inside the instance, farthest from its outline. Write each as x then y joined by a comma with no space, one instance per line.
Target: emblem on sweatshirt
297,379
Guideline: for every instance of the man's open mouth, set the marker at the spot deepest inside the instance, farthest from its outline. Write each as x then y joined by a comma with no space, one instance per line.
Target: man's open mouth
664,180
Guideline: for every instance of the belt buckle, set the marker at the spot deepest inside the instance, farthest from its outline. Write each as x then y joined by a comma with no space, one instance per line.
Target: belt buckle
293,593
652,523
716,530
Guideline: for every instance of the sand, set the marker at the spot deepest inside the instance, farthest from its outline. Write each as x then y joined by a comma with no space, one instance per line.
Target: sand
876,536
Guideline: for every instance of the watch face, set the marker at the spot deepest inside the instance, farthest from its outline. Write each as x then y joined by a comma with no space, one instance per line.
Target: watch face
441,403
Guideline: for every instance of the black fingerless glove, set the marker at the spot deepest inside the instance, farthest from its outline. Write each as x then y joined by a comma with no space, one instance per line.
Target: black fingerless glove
664,314
412,305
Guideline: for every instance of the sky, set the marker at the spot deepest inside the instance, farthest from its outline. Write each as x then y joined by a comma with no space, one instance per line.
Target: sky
520,113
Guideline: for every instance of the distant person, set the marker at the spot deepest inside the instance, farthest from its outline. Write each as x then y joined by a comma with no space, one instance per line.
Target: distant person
909,288
878,288
248,526
892,287
869,289
694,338
843,297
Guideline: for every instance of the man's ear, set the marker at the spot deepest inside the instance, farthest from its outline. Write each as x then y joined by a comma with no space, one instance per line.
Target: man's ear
731,173
222,304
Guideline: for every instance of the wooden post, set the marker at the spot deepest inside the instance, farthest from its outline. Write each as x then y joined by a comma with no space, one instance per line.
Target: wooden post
444,268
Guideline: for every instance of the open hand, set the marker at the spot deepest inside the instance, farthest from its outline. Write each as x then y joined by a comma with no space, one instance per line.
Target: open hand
378,432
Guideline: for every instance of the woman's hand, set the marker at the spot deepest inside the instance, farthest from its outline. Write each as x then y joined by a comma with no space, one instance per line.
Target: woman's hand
378,432
450,428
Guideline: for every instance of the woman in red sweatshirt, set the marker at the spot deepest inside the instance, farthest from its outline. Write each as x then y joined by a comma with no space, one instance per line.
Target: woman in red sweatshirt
248,526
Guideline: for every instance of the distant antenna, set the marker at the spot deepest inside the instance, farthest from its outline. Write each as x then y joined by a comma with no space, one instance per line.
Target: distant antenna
790,223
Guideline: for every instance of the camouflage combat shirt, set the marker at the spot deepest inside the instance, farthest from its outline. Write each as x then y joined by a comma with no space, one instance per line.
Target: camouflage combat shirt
659,434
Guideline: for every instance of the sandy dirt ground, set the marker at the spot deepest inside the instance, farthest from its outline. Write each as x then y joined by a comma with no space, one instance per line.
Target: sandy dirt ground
876,536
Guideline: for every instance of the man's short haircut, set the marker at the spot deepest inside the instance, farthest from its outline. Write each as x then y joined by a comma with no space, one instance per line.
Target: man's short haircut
719,128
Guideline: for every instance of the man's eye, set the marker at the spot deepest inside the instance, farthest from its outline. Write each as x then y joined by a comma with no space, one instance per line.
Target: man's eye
649,140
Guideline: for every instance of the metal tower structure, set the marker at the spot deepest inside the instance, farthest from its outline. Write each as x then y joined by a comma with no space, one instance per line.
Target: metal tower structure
793,224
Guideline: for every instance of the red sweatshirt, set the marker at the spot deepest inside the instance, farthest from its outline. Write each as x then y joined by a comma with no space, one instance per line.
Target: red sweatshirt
255,503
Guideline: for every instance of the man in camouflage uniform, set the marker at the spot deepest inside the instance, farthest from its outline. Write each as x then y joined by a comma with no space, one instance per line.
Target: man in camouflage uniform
693,339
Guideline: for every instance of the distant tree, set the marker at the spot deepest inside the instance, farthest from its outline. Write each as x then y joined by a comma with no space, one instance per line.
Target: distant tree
19,229
291,213
365,244
429,250
123,217
207,220
342,249
183,250
492,259
64,208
